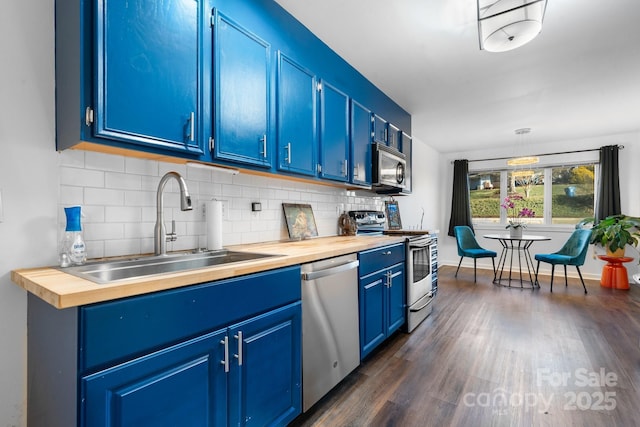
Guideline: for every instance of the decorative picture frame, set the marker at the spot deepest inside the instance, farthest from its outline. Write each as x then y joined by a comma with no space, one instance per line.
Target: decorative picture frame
301,224
392,211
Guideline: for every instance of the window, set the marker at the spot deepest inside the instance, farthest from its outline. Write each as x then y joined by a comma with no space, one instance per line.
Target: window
557,194
572,193
485,197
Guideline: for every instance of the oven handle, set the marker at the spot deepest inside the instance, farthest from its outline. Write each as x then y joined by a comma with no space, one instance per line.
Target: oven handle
430,295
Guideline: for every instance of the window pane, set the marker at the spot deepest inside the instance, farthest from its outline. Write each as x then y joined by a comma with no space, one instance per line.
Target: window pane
484,189
530,185
573,194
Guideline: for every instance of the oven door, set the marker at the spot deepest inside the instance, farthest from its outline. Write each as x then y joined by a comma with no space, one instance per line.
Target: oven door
419,281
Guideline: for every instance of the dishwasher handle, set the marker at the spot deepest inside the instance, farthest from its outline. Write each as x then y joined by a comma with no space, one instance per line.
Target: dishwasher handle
330,271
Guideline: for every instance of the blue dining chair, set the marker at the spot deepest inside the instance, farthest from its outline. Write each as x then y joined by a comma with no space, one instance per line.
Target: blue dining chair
468,247
573,252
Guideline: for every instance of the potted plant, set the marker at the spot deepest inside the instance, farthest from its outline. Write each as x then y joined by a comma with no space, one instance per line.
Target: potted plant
615,232
515,215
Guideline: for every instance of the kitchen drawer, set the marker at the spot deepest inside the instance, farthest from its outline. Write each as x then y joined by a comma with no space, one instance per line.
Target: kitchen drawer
119,330
379,258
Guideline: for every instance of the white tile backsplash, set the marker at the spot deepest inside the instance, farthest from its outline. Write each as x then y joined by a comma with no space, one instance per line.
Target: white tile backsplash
118,199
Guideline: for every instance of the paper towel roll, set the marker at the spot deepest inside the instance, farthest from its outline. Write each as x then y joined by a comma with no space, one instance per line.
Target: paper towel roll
214,224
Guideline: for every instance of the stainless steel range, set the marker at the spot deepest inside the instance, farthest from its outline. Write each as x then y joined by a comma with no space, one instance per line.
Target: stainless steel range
422,264
368,222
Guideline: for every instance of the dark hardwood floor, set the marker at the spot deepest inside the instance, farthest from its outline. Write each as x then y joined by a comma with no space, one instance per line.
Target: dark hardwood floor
494,356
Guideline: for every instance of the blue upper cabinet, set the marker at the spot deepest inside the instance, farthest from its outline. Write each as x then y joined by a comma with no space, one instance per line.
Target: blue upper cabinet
201,80
379,129
360,144
334,133
386,133
148,73
394,136
297,130
242,96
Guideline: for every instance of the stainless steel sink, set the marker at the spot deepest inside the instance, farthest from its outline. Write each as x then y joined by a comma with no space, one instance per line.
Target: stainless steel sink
114,271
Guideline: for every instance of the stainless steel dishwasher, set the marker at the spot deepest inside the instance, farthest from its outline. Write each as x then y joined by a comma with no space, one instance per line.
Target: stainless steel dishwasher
330,326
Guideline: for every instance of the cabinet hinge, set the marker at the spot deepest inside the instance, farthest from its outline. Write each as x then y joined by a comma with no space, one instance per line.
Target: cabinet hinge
212,20
319,168
211,144
88,116
319,86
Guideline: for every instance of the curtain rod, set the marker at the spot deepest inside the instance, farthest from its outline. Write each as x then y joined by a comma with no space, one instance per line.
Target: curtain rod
621,147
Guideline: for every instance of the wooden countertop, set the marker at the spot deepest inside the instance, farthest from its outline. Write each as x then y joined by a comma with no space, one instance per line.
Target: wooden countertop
63,290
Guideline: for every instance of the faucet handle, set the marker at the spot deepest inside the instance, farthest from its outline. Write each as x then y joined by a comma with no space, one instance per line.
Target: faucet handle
172,237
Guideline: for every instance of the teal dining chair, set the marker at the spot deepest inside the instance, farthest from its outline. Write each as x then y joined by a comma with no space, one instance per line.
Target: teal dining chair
468,247
573,252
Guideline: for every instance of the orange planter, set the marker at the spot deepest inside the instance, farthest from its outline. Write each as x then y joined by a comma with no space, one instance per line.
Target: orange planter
614,274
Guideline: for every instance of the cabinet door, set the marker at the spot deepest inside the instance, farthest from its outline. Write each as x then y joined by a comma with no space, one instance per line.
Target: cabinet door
266,373
372,312
183,385
393,136
360,144
379,130
395,304
149,71
297,130
334,134
241,63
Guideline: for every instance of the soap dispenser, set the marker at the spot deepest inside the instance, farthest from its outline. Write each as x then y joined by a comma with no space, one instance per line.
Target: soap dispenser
73,249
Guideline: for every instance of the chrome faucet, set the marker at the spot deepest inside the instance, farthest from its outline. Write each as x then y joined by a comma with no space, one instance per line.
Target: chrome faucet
161,237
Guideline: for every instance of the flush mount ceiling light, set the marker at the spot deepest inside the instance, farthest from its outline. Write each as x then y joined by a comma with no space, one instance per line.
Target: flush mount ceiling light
524,160
508,24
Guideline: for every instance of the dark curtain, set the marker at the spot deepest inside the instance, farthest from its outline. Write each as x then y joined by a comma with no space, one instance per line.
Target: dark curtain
460,206
609,192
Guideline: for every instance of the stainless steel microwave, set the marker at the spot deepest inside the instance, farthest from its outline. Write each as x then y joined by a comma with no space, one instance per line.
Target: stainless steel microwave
389,167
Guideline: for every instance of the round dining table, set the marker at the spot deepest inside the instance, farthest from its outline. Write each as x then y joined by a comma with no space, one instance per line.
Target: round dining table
516,250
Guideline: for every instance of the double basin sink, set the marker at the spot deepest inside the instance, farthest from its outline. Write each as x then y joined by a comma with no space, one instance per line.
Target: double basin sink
104,272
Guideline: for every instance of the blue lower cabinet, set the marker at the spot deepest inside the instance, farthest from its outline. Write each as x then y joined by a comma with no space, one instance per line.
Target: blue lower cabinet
382,295
247,374
265,378
223,353
183,385
372,313
396,299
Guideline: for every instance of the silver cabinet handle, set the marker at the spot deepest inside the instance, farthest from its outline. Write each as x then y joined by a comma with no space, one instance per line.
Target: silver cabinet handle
225,362
264,146
192,119
288,158
386,253
239,354
356,171
345,169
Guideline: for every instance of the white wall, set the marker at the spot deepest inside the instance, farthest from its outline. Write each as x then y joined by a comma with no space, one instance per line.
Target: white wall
426,188
28,179
630,200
